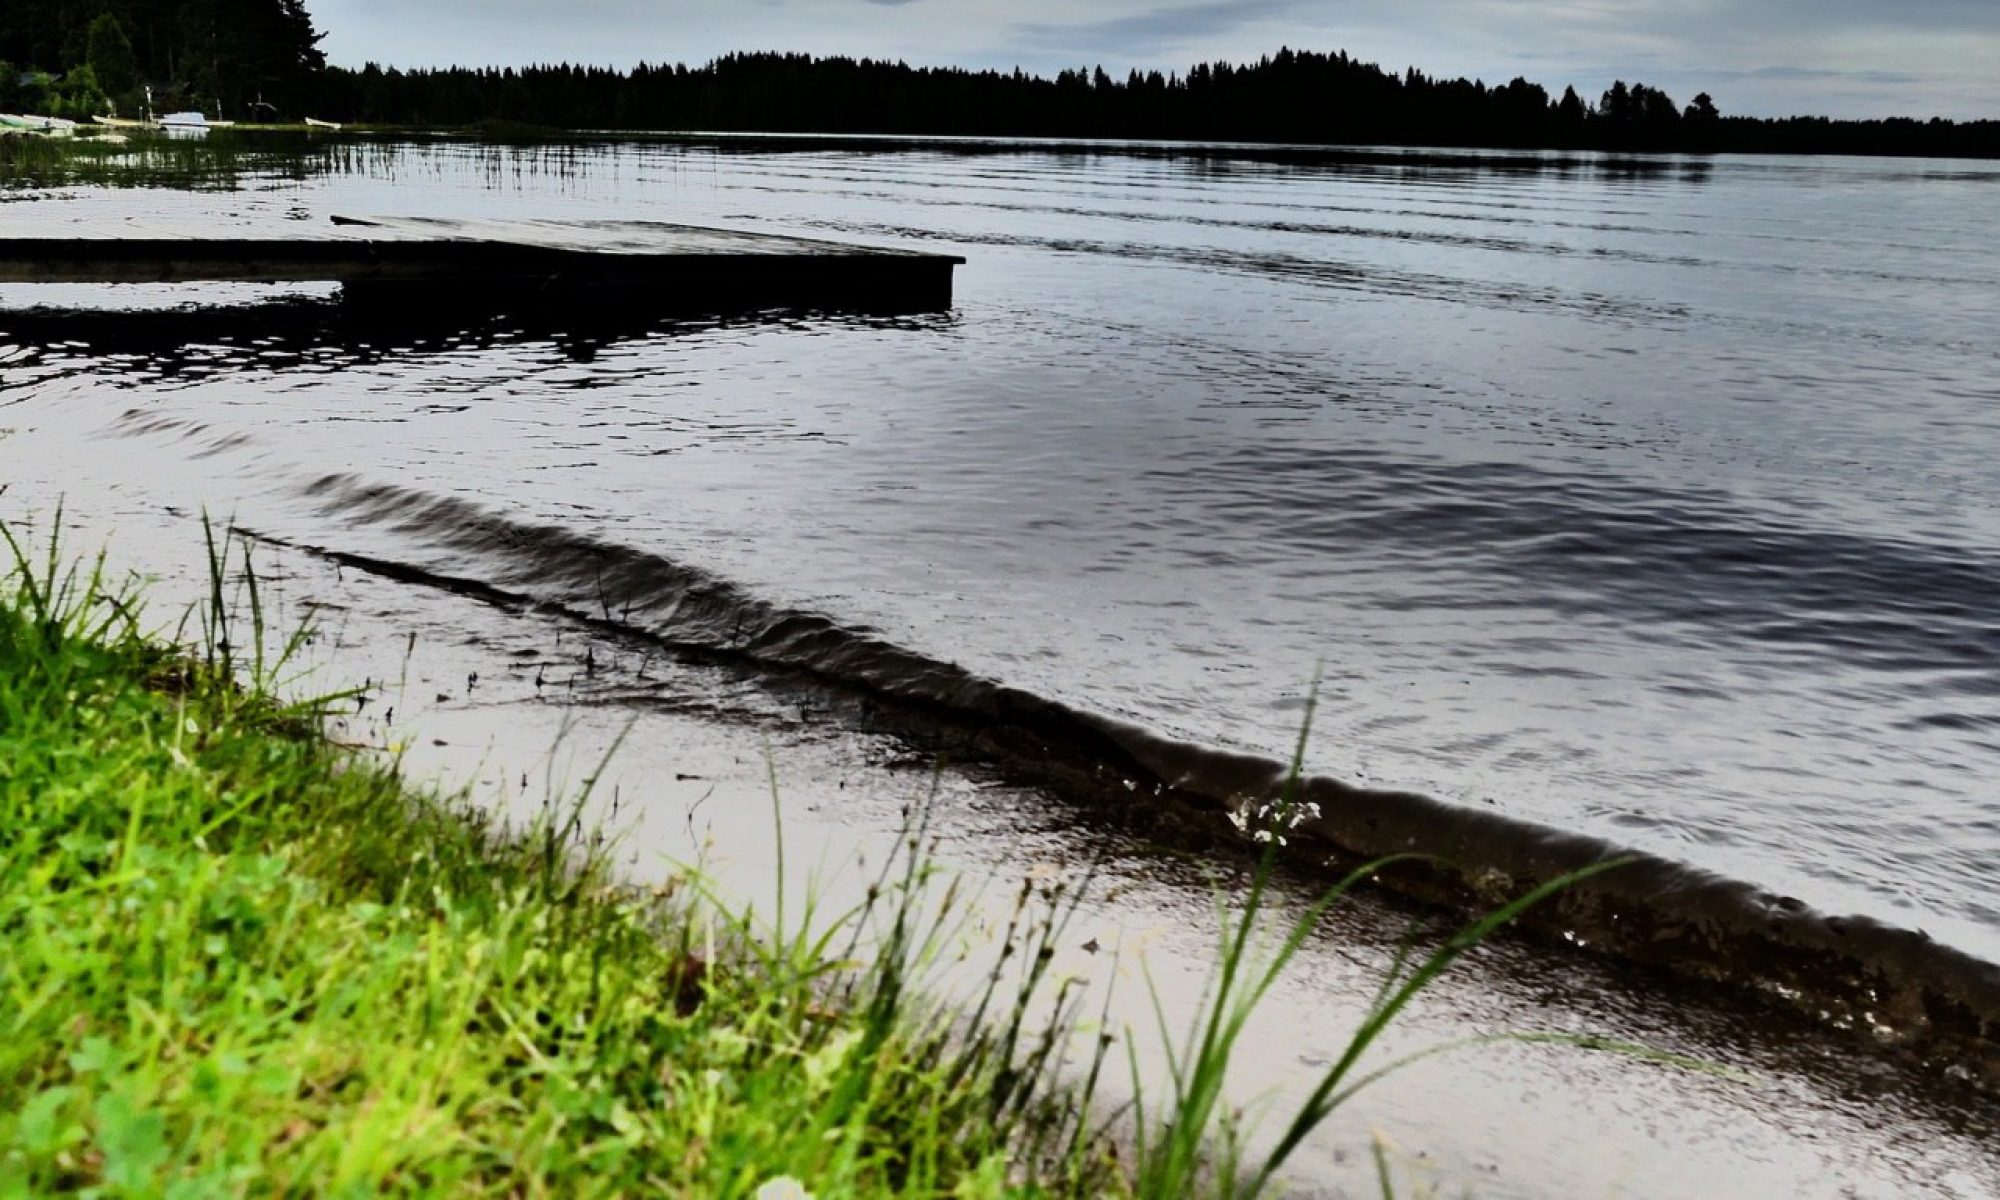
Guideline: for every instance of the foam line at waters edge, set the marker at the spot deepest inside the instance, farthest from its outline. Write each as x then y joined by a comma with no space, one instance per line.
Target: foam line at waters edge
1894,987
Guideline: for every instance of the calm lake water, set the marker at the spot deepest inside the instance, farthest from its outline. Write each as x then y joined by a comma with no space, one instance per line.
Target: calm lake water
1658,500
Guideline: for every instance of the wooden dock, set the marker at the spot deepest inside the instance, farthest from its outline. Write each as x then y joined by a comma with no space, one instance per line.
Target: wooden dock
399,257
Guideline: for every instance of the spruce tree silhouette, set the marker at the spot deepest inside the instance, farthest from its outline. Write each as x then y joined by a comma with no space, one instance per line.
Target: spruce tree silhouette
226,52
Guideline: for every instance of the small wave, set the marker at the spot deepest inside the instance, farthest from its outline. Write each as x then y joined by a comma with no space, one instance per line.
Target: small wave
1897,986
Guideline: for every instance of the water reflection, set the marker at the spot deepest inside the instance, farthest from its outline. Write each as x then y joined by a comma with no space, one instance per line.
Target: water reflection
345,330
224,160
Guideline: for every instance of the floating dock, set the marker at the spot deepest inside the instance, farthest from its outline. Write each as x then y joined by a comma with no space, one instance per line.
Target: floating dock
391,257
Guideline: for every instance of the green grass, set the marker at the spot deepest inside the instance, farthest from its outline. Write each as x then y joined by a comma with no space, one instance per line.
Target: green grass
240,961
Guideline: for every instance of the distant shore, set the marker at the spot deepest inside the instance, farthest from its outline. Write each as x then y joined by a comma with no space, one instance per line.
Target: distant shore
1301,97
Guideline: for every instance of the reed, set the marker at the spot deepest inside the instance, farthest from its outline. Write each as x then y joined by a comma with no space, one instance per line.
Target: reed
220,161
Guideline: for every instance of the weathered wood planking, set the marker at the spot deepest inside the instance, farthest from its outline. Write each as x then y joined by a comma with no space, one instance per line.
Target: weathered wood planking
682,262
649,238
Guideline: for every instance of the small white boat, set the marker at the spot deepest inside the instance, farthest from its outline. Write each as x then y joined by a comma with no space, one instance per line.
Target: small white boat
44,126
184,125
315,123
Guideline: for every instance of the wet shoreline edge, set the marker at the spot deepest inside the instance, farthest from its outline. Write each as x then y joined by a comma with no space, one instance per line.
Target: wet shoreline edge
1892,989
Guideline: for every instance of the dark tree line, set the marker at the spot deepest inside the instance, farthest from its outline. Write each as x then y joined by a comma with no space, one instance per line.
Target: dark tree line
1292,96
221,56
225,56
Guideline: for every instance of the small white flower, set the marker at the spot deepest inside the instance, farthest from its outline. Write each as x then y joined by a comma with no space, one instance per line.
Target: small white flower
784,1187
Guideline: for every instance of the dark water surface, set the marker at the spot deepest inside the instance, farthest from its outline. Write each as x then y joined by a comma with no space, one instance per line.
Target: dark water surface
1655,500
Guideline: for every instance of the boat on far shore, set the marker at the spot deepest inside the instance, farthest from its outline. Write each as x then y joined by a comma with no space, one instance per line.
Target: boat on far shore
189,124
194,124
15,123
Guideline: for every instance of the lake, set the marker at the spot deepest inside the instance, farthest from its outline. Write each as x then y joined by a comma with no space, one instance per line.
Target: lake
1656,499
1650,499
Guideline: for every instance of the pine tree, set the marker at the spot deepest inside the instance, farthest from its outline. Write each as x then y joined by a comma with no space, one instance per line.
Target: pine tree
109,56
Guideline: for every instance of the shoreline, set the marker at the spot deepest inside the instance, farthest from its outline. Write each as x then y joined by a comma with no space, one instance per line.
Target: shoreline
1457,1113
1895,990
704,722
245,954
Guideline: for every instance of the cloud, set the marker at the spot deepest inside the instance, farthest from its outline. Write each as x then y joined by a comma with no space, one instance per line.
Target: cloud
1817,74
1937,16
1150,29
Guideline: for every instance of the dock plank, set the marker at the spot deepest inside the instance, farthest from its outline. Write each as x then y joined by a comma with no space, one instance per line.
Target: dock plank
373,251
656,238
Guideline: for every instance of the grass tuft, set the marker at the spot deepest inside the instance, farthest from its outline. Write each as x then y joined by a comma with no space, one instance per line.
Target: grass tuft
242,961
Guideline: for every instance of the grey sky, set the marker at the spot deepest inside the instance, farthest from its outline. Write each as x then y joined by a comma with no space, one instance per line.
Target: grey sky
1764,57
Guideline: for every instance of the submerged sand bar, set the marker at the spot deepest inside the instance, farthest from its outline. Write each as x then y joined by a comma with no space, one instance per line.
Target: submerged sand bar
659,262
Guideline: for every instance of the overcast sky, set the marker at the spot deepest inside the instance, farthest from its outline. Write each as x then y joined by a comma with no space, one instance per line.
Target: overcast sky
1761,57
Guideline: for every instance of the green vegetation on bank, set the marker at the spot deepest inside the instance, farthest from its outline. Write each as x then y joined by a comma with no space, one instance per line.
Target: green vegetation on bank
240,962
249,59
120,161
219,162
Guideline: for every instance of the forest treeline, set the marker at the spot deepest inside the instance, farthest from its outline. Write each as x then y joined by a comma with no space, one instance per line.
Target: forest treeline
248,59
236,58
1291,96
